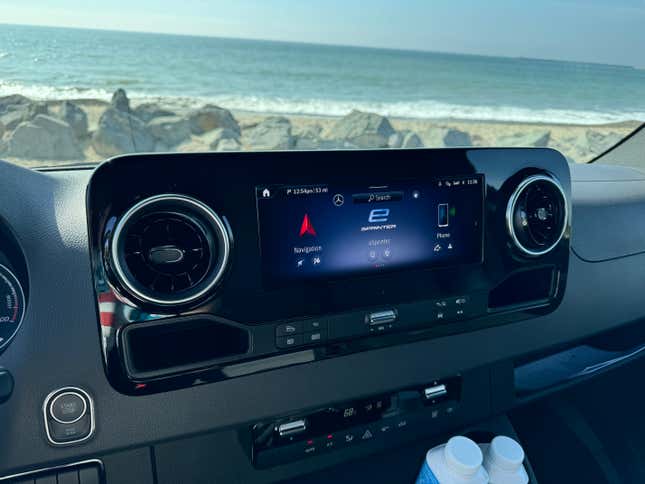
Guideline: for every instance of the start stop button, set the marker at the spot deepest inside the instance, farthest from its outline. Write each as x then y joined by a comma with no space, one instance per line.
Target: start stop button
69,416
68,407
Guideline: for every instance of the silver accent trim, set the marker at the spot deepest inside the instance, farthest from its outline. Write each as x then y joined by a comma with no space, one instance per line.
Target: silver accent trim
51,404
24,307
206,211
435,391
382,317
291,428
510,208
46,403
56,469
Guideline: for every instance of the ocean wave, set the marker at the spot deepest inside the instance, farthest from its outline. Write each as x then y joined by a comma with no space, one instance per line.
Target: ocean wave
422,109
4,54
425,109
42,93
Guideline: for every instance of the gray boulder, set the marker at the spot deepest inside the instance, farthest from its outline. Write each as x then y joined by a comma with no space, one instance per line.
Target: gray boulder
411,140
14,114
405,139
395,140
538,139
274,133
148,111
307,143
230,144
224,139
44,138
120,101
307,131
12,100
119,132
456,137
75,117
212,117
441,137
365,130
170,130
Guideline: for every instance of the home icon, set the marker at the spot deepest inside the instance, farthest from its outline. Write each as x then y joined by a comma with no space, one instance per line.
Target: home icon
266,193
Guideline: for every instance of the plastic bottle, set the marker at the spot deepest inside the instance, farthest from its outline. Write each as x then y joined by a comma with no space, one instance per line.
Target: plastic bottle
457,462
503,461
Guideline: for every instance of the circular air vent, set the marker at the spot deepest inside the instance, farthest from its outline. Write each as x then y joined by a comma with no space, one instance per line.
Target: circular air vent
170,250
536,215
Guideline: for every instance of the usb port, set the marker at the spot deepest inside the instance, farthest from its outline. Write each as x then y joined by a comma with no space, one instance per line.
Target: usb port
382,317
435,391
292,428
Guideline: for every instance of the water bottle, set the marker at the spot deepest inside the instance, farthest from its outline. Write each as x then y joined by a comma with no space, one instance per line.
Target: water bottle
503,461
457,462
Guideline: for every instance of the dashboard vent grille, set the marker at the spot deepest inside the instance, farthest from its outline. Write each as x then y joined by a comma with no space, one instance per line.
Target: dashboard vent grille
168,253
170,250
537,215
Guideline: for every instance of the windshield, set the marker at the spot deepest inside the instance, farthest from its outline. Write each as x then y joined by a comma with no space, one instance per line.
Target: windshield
334,75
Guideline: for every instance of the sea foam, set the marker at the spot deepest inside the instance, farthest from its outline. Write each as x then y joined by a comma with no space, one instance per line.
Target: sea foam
423,109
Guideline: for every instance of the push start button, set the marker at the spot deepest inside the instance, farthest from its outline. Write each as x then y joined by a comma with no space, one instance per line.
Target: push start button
68,407
69,416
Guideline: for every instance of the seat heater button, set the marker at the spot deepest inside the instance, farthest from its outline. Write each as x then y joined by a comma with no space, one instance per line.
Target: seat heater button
68,407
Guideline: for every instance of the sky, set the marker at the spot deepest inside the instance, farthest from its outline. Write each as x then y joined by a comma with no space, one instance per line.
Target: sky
604,31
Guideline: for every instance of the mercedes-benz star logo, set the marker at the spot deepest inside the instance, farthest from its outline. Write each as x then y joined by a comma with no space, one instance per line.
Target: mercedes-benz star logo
338,199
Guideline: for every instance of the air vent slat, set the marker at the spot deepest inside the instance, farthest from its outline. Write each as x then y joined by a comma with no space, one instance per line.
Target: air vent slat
537,215
170,249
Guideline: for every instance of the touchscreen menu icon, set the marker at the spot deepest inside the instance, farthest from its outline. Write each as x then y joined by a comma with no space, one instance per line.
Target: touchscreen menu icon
307,228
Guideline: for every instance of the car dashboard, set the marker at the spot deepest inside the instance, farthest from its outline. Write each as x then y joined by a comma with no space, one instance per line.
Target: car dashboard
257,316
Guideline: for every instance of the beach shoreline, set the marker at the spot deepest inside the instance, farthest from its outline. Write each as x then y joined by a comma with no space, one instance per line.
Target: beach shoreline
578,142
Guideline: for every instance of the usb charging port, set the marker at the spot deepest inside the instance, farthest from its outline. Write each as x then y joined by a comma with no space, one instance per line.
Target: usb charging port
382,317
435,391
292,428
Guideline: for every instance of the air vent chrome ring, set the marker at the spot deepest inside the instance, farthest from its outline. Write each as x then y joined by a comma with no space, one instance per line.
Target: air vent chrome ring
211,229
561,213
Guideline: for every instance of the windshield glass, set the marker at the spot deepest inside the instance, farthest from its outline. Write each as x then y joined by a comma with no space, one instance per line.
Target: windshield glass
158,76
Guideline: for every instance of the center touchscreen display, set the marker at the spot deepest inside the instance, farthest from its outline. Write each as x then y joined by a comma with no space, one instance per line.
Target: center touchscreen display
337,230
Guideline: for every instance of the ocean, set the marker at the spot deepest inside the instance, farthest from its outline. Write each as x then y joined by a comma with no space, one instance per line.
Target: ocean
293,78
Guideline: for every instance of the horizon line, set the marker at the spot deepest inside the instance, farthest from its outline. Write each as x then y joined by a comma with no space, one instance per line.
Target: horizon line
327,44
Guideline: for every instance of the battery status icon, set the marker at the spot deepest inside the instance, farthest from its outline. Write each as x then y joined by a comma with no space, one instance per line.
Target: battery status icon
444,215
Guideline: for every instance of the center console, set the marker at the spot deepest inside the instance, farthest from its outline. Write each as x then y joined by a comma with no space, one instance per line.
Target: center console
213,266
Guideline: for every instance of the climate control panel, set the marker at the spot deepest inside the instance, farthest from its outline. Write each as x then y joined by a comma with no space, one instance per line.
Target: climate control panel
390,418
